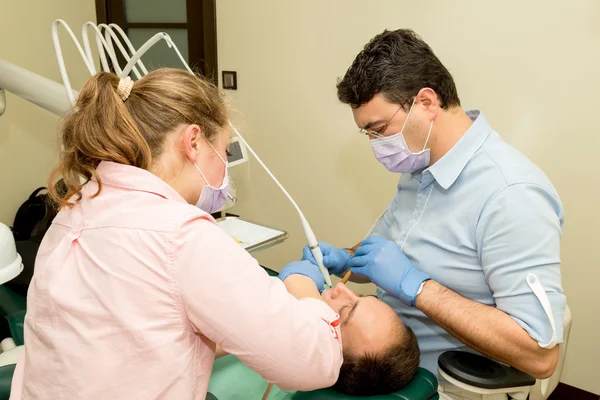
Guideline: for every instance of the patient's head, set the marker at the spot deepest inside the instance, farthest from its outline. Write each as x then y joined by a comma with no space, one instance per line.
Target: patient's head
381,354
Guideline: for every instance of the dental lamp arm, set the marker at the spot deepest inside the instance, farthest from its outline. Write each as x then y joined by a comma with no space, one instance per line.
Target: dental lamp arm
32,87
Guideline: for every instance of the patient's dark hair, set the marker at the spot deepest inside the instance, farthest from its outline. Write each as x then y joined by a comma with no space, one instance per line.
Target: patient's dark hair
384,373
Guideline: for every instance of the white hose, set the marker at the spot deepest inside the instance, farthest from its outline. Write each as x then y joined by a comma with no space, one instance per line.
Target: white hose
61,61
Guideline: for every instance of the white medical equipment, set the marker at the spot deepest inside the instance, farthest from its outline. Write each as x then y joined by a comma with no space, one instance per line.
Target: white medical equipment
251,236
11,266
51,95
10,261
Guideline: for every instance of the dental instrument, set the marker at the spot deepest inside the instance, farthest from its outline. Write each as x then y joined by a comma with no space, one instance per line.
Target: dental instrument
267,391
347,276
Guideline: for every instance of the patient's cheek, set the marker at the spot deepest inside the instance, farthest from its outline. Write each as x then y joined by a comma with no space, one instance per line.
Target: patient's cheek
348,339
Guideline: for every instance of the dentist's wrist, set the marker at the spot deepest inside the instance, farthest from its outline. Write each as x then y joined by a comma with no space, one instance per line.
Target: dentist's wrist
411,286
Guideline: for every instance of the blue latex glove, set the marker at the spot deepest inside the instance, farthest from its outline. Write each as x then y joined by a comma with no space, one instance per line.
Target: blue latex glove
383,262
334,259
305,268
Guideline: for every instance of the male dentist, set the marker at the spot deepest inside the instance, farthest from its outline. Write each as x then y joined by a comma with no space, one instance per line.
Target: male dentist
469,248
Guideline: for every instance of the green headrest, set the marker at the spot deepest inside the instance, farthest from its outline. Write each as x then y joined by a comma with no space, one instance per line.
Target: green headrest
422,387
232,380
13,308
11,302
6,374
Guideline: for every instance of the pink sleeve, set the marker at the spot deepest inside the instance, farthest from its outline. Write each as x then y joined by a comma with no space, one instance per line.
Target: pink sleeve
231,300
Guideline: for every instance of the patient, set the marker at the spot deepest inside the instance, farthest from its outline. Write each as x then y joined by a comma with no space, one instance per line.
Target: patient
381,354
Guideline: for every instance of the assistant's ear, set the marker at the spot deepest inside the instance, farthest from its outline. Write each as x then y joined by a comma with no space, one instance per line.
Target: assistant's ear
428,99
192,138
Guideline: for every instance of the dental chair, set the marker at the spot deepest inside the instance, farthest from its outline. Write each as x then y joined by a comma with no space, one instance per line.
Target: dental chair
12,308
231,379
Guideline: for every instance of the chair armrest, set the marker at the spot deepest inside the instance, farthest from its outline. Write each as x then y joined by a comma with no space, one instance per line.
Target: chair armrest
481,372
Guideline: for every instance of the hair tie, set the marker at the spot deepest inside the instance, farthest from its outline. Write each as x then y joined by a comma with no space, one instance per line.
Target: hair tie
124,88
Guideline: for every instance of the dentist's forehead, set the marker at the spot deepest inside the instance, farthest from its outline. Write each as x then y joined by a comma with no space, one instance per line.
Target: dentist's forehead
375,112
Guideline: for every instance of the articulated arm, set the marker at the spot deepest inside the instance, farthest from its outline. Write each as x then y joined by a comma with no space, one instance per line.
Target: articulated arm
32,87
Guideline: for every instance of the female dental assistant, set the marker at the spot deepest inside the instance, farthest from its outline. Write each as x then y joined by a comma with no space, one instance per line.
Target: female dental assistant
134,286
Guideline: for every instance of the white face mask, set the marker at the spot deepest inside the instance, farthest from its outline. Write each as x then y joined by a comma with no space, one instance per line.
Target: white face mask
212,198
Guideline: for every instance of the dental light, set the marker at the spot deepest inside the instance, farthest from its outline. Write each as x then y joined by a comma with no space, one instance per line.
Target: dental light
51,95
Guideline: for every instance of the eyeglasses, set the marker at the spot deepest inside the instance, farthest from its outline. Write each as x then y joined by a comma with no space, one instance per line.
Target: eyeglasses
382,129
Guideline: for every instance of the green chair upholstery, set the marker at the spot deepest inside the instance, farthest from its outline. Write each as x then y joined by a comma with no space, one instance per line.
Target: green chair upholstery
6,374
232,380
13,307
16,322
11,302
422,387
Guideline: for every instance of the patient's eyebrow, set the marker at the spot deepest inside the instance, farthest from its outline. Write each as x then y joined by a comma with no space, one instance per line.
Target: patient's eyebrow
351,312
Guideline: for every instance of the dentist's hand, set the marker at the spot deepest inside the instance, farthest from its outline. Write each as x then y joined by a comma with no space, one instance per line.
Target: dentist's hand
334,259
305,268
383,262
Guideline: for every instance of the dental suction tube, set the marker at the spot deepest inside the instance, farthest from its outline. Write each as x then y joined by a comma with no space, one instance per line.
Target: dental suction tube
308,232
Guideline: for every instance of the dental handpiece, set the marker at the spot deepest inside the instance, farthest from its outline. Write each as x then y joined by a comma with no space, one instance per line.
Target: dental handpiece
308,232
313,244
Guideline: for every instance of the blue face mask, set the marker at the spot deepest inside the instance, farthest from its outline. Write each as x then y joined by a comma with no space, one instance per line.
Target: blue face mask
211,198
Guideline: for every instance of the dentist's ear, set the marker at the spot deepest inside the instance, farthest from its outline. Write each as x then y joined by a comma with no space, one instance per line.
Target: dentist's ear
192,141
428,99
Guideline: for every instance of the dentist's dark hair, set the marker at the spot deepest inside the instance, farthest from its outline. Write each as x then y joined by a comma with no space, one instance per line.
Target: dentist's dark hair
396,64
103,127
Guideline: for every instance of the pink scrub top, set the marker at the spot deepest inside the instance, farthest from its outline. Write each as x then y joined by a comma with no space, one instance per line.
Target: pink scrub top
134,288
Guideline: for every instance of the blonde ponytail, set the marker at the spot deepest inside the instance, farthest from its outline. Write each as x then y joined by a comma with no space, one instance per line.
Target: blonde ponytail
119,121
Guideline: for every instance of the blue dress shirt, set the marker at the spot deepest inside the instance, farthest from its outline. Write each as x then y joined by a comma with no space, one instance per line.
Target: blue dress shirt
480,221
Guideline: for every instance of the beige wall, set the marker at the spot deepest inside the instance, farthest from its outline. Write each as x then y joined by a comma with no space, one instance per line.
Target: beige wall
532,66
28,133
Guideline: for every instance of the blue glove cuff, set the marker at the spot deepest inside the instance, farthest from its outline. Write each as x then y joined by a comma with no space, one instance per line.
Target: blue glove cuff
286,274
410,286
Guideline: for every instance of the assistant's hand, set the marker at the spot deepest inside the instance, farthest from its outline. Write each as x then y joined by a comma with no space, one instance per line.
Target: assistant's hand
382,261
334,259
305,268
